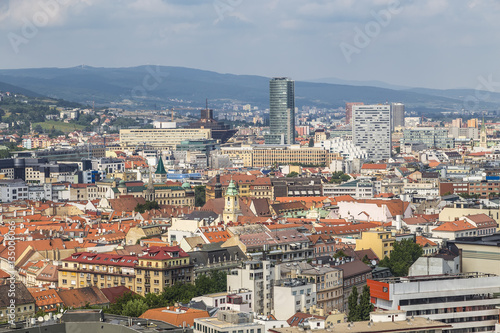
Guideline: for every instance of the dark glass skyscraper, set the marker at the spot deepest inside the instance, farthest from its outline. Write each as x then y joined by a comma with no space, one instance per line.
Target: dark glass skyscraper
281,111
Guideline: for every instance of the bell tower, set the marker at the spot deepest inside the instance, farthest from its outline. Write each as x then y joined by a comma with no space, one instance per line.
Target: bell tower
231,204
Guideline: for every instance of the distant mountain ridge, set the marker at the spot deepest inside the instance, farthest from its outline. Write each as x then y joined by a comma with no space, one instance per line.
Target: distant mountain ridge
147,86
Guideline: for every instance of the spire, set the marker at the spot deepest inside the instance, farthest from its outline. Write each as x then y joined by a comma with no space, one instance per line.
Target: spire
231,189
160,168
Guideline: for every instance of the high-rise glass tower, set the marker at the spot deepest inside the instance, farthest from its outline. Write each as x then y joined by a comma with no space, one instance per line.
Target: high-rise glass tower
281,111
397,115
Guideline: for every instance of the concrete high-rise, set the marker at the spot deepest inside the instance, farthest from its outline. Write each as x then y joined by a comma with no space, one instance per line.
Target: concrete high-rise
348,111
397,115
371,130
281,111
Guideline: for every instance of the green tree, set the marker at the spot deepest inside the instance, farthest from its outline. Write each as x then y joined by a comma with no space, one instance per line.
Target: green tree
199,196
141,208
135,308
352,305
118,305
293,174
311,142
404,254
365,305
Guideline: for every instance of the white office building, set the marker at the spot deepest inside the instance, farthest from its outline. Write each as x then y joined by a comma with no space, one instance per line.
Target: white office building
468,302
371,130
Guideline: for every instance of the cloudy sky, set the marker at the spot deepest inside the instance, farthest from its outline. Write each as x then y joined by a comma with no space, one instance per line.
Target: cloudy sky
426,43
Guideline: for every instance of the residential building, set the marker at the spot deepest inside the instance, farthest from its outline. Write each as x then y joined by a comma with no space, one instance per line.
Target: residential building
228,321
86,269
17,297
240,300
328,280
355,274
151,271
432,137
281,111
258,277
371,130
161,267
379,240
291,296
357,189
467,302
12,190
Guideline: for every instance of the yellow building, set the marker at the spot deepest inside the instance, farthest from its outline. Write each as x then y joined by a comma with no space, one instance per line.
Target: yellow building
86,269
380,241
156,269
162,267
263,156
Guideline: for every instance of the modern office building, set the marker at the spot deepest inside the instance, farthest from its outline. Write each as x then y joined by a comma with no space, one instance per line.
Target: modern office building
161,138
281,111
371,130
468,302
397,115
348,111
430,136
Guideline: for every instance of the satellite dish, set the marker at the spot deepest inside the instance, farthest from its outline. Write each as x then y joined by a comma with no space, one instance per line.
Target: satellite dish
59,315
46,317
40,319
374,262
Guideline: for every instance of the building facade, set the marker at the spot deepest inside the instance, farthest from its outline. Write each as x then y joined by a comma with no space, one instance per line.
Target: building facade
466,301
371,130
281,111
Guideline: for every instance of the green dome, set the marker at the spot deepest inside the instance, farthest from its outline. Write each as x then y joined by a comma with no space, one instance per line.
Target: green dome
231,189
186,186
122,183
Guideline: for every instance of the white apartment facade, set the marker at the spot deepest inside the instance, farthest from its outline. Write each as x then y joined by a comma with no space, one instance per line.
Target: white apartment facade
259,277
371,130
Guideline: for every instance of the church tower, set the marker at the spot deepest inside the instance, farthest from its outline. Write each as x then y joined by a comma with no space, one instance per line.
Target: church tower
483,143
231,204
150,190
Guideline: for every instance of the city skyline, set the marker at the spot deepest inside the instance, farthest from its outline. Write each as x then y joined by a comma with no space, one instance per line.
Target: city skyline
362,41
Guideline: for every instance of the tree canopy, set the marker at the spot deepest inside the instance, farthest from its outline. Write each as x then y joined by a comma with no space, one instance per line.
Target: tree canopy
134,305
404,254
359,306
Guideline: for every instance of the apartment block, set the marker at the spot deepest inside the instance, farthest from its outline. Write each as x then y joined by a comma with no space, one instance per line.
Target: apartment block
371,130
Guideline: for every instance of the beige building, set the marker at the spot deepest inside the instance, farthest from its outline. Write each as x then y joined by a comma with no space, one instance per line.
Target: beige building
263,156
161,138
151,272
328,280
